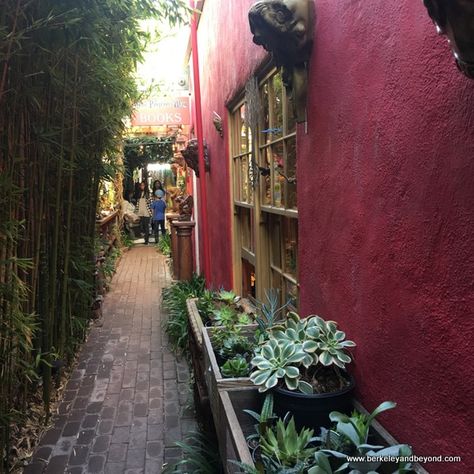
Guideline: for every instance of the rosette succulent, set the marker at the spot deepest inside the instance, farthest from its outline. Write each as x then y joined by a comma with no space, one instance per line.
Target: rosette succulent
296,346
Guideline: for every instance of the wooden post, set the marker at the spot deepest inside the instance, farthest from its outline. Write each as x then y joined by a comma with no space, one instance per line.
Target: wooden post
184,230
174,243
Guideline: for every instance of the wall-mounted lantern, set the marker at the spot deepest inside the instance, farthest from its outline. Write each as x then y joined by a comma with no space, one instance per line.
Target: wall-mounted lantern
455,19
285,29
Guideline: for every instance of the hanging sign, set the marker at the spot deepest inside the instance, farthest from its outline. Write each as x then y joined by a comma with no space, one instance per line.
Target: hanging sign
162,111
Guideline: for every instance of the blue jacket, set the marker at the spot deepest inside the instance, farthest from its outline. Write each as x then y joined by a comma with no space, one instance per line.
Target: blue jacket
158,206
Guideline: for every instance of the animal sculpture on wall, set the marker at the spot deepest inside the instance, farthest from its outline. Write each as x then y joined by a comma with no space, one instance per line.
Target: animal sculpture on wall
186,203
173,194
191,156
455,19
285,29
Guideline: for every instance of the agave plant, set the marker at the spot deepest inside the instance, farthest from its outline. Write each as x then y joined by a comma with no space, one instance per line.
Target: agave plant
285,445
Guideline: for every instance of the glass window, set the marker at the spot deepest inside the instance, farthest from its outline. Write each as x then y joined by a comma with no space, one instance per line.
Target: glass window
264,170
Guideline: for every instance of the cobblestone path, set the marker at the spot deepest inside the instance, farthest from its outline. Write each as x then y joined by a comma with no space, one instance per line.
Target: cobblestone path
127,401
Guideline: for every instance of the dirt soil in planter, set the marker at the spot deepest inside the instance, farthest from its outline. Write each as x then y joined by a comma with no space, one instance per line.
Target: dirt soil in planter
325,380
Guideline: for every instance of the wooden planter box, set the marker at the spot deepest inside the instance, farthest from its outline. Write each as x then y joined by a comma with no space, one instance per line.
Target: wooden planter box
196,350
195,321
237,426
214,379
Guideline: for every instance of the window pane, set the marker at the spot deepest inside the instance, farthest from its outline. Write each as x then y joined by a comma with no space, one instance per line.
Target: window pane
291,173
243,131
277,105
290,291
247,227
290,242
266,113
290,116
237,179
266,181
278,180
248,279
275,254
276,283
245,179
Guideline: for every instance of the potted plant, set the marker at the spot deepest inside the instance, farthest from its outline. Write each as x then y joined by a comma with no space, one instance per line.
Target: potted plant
350,439
304,362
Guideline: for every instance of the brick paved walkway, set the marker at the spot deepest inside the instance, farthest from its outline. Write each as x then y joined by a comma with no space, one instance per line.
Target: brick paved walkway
127,402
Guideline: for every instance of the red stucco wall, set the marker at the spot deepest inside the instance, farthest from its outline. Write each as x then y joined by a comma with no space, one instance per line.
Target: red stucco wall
386,203
226,60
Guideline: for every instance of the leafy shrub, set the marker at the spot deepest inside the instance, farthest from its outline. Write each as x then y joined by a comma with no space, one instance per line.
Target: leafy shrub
199,456
174,303
164,245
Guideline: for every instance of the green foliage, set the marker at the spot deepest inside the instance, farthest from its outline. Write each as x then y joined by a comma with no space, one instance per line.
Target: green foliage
285,445
199,456
66,84
296,346
224,316
351,438
142,150
269,312
234,344
164,245
206,304
110,264
126,240
228,297
174,303
236,367
264,418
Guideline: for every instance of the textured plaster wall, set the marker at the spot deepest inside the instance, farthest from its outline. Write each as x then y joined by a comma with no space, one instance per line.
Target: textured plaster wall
386,203
227,56
386,200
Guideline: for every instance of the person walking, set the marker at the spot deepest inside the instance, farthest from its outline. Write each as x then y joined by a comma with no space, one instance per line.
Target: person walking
158,206
157,184
143,210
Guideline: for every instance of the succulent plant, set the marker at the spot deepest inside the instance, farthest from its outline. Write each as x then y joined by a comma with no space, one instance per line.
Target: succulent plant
225,316
284,444
228,297
350,438
277,360
236,367
296,345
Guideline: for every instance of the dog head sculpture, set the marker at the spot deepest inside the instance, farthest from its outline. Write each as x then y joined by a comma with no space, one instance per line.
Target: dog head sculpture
285,29
191,156
455,19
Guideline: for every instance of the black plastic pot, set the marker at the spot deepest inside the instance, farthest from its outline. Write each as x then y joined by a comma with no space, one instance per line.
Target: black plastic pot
312,411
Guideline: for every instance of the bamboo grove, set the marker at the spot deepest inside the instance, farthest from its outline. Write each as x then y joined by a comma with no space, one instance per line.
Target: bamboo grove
66,83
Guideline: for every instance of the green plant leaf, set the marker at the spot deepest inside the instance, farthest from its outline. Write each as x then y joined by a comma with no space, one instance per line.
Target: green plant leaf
305,387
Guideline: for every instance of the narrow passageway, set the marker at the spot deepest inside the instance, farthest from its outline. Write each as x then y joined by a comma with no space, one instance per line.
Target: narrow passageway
127,401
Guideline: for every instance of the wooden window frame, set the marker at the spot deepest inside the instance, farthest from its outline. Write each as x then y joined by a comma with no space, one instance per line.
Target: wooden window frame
260,258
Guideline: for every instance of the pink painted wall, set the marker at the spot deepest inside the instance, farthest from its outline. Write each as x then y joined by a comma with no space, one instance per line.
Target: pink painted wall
226,60
386,203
